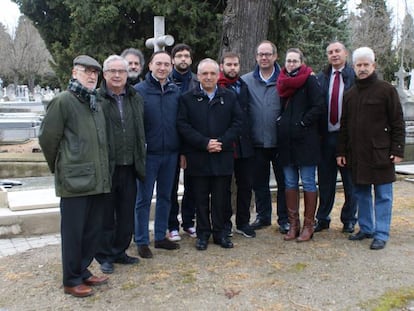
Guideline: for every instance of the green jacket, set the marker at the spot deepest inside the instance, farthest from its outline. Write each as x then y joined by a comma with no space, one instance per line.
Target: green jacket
74,142
121,146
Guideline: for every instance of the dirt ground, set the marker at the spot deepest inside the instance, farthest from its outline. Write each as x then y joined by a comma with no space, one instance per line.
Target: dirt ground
264,273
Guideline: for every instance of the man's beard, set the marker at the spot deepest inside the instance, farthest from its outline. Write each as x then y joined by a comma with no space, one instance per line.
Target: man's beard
133,74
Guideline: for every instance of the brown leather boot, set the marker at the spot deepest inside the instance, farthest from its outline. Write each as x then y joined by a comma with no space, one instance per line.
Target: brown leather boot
292,205
309,221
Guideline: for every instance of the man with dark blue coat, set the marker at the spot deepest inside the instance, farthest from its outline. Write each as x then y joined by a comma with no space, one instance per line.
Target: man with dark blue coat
328,169
209,120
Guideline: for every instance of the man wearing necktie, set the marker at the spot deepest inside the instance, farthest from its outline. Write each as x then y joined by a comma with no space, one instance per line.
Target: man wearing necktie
335,80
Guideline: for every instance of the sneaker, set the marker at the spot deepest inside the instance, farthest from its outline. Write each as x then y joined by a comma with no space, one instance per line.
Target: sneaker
246,231
174,236
191,232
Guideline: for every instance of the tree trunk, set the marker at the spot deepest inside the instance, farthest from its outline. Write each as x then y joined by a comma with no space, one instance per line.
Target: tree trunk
245,24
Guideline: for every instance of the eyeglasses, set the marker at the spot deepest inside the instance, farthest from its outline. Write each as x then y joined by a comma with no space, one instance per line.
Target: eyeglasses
116,71
88,71
267,55
292,61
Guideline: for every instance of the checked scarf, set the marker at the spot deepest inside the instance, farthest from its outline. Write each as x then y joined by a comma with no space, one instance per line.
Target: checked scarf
84,93
288,83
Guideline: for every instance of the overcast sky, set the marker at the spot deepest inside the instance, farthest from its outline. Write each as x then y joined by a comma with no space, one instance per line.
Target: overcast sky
9,11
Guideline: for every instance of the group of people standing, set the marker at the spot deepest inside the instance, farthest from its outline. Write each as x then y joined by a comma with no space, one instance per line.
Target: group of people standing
110,147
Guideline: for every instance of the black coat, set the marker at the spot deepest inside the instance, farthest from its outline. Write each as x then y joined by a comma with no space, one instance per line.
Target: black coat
298,126
200,120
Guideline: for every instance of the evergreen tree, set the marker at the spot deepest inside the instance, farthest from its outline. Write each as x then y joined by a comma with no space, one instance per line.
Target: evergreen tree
372,28
310,26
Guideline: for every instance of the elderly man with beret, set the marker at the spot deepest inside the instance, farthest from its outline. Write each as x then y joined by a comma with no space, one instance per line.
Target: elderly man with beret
74,143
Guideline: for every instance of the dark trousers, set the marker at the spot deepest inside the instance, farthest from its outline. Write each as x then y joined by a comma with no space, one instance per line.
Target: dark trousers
211,198
81,225
187,204
263,158
243,175
327,173
118,223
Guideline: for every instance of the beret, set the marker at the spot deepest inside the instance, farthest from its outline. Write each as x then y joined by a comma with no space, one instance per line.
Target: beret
87,61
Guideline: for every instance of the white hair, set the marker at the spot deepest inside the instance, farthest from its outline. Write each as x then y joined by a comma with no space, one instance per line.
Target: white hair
208,61
113,58
363,52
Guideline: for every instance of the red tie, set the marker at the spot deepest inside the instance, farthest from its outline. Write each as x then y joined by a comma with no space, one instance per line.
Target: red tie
334,99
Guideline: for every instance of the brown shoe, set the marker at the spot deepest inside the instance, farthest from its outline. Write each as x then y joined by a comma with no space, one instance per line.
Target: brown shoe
166,244
144,251
80,290
96,280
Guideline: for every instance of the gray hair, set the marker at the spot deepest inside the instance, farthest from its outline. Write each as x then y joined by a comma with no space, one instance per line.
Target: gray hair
208,61
363,52
114,58
135,52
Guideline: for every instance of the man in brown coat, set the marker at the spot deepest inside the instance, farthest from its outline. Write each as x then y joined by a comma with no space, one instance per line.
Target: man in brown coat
371,142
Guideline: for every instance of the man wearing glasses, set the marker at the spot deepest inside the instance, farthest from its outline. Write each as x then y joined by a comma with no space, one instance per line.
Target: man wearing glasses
136,62
264,109
74,143
123,109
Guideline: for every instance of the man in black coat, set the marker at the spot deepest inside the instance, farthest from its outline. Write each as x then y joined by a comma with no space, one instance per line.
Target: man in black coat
209,121
243,146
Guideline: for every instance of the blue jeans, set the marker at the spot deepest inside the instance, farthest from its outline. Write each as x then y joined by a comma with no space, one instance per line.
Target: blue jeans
327,173
375,218
160,169
307,175
262,160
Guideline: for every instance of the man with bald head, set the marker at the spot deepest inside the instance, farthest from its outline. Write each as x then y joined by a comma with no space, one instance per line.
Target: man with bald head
209,121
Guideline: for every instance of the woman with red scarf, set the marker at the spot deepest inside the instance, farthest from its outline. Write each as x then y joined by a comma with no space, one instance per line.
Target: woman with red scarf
298,140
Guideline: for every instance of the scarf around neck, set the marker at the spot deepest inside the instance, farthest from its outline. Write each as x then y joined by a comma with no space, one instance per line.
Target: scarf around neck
223,81
84,93
288,83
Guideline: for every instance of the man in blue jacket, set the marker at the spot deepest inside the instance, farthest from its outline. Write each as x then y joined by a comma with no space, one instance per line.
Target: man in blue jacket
328,169
264,109
160,115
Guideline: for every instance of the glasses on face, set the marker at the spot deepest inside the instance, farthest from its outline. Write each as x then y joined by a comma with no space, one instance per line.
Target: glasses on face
292,61
179,55
89,71
267,55
133,63
116,71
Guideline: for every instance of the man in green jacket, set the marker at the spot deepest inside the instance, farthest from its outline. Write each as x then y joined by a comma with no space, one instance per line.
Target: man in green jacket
74,142
124,113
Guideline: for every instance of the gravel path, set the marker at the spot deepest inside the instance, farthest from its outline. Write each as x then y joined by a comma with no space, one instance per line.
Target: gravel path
265,273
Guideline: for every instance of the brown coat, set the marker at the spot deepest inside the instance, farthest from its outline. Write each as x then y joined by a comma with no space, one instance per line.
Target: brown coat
372,129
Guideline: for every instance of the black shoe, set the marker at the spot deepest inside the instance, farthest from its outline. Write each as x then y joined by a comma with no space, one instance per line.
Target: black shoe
377,244
224,242
201,245
359,236
144,251
321,225
284,228
127,260
166,244
246,231
259,224
348,228
107,267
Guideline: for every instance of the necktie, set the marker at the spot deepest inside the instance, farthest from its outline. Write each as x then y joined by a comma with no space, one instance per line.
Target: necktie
333,118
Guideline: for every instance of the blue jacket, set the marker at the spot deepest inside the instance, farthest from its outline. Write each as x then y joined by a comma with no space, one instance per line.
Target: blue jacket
160,115
264,107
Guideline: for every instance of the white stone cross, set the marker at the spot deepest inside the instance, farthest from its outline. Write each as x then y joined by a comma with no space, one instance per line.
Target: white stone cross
160,39
401,74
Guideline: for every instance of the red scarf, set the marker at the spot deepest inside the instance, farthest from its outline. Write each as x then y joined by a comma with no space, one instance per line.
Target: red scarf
224,81
287,85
